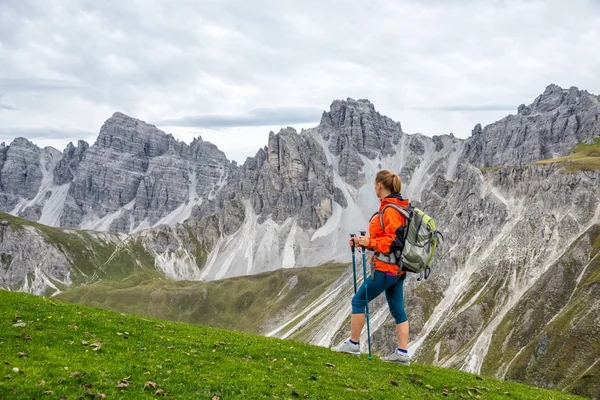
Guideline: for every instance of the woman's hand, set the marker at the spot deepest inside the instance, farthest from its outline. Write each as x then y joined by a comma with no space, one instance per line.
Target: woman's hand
359,241
363,240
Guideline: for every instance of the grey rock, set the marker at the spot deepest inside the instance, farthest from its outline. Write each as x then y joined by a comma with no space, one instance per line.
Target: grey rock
417,147
29,262
25,176
338,197
290,177
439,143
72,156
20,172
135,175
354,128
32,213
134,164
550,127
478,130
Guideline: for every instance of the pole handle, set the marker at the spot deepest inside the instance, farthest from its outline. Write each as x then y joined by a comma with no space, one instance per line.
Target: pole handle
362,233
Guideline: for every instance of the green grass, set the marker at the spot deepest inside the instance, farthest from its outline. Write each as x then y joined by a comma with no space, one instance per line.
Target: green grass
596,246
54,357
91,255
430,296
244,303
584,157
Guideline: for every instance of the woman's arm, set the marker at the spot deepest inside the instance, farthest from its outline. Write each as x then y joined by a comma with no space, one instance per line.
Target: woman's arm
392,219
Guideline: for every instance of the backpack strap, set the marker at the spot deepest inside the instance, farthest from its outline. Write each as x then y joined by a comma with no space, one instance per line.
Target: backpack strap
401,210
390,258
374,215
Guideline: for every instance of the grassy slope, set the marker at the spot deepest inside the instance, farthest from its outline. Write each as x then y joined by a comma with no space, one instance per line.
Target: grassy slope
121,276
189,361
94,255
584,157
242,303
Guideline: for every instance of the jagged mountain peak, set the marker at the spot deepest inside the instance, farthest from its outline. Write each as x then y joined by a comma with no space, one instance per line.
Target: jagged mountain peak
126,134
135,174
130,123
477,130
118,115
196,140
81,144
287,131
549,127
353,129
130,135
350,111
360,104
555,97
22,142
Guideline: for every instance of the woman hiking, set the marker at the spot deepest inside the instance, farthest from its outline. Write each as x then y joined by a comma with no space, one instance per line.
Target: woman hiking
385,276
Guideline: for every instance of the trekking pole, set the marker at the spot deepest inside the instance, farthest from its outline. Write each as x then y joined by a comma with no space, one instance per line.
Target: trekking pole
364,260
353,262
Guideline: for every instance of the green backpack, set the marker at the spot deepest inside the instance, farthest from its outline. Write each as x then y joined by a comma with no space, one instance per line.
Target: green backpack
419,238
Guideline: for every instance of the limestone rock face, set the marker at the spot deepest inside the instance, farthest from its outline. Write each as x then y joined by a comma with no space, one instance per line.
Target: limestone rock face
72,156
20,172
26,178
291,176
32,263
137,175
549,127
353,128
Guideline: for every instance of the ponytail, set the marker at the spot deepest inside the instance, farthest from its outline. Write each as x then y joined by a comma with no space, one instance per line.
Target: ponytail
389,181
396,185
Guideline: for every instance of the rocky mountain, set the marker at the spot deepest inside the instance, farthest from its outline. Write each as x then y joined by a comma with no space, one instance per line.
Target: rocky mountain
135,176
514,291
550,127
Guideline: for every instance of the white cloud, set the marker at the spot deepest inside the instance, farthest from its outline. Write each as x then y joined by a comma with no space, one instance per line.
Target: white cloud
259,117
435,66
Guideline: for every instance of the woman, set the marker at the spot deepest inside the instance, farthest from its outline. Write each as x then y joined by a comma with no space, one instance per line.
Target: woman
386,276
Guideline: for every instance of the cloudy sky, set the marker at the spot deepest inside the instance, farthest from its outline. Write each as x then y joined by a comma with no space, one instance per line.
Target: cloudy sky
233,70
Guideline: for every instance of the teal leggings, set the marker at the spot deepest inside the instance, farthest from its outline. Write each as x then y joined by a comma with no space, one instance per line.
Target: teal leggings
394,293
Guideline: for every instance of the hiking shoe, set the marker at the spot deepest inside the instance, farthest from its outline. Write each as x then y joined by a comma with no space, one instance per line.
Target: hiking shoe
349,348
398,358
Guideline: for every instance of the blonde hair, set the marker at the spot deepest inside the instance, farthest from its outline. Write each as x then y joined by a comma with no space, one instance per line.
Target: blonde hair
389,181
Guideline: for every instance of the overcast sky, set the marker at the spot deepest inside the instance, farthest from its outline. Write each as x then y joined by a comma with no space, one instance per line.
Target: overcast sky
233,70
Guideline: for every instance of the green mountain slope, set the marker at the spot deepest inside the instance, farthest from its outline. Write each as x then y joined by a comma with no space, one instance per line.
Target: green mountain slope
83,256
584,157
250,303
76,351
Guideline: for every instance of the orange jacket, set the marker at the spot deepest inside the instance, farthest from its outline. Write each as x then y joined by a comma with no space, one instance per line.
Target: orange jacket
381,240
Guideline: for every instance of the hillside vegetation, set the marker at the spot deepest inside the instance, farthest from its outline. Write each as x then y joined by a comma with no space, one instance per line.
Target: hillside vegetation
248,303
584,157
90,255
52,349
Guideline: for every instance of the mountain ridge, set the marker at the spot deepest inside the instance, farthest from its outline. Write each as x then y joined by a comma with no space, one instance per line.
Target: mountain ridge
507,228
